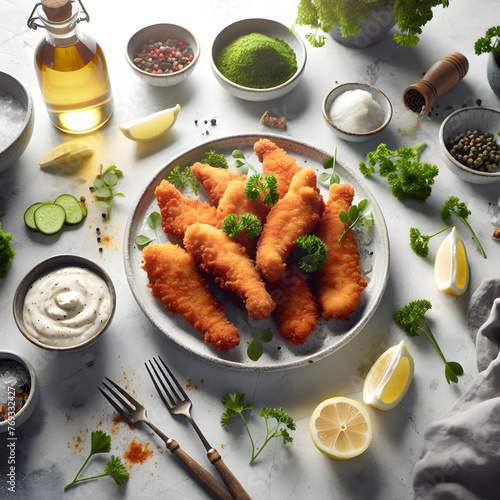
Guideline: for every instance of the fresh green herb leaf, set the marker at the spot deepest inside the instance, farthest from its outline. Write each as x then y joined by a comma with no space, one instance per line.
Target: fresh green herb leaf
316,253
215,160
454,206
410,318
101,443
242,162
255,349
407,176
356,214
268,186
7,252
153,221
103,188
250,223
182,179
489,42
420,242
332,178
235,404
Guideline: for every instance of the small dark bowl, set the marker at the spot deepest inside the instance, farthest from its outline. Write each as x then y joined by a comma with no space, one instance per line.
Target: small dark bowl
159,32
12,86
43,268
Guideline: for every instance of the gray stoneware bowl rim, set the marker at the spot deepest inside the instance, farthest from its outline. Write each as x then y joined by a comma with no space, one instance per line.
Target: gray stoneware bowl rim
28,407
300,64
51,263
361,86
28,110
466,170
196,51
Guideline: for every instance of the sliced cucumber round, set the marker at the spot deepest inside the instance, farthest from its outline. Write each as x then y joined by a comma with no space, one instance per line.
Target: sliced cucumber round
29,217
74,213
49,218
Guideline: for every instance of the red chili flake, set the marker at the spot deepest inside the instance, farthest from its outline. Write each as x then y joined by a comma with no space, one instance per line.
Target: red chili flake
157,51
154,72
191,58
162,55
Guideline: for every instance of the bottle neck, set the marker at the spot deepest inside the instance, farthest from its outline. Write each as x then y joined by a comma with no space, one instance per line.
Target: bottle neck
61,33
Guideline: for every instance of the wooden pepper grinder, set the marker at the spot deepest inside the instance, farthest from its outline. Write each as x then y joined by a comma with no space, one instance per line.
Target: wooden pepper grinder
441,77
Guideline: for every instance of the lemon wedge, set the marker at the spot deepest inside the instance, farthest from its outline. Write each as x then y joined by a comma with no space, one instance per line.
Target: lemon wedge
152,126
389,378
341,428
65,153
451,267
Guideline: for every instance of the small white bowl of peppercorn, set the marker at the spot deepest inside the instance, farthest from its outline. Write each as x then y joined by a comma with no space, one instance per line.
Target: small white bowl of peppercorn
163,55
470,142
258,59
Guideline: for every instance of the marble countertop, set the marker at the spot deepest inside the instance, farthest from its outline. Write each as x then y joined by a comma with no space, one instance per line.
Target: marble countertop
52,445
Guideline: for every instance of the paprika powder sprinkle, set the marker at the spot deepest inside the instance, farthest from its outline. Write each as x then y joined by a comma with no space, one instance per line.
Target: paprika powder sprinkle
137,452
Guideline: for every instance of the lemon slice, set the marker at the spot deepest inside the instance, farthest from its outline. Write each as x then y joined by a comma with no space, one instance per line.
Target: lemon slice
451,267
66,153
341,428
389,378
152,126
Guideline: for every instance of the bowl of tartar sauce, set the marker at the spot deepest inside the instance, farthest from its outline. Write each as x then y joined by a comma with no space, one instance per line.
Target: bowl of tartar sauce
64,303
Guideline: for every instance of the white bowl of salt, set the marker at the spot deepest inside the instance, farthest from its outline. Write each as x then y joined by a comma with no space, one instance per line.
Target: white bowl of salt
357,112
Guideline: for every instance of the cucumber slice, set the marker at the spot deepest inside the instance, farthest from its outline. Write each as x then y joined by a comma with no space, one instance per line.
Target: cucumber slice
83,207
74,214
29,217
49,218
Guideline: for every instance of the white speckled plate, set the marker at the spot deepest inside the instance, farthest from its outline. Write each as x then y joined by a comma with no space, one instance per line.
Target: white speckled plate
373,246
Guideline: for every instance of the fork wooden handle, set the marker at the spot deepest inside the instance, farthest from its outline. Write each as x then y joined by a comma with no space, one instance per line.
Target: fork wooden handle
201,474
228,477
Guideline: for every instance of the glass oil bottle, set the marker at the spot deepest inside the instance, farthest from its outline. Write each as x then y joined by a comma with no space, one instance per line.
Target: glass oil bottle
71,69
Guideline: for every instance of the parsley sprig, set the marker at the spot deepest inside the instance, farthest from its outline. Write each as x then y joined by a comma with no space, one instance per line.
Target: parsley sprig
267,185
103,188
216,160
315,254
235,404
101,443
182,179
250,223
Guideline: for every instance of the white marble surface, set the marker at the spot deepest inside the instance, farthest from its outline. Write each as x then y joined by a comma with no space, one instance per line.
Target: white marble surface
70,407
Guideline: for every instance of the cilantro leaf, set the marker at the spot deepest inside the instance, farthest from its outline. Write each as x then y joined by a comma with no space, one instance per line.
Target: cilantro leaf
117,470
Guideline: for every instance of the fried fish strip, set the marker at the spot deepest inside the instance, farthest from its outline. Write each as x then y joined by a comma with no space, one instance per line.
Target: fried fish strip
235,201
214,180
227,261
296,214
339,282
277,162
296,314
179,211
176,281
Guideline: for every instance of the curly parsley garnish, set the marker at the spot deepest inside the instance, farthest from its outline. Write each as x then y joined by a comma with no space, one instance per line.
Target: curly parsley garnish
182,179
268,186
316,253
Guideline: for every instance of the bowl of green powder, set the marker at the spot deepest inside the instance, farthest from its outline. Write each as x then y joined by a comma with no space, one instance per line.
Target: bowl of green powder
258,59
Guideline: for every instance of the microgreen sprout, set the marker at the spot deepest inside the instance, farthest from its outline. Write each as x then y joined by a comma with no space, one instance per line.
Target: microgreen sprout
103,188
234,404
332,178
410,318
153,221
242,162
454,206
182,179
101,443
255,349
250,223
267,185
315,255
356,214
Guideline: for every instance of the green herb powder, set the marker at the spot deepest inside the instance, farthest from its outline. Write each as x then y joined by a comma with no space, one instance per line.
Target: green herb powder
257,61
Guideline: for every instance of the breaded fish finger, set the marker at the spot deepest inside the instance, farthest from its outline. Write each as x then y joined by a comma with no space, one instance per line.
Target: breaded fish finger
176,281
227,261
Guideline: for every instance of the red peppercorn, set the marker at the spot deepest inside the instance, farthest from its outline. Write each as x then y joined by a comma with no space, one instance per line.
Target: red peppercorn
173,53
191,58
154,72
162,55
181,43
152,52
157,51
175,68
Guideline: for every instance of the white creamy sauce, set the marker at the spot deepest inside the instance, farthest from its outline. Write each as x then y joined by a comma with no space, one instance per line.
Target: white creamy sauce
67,306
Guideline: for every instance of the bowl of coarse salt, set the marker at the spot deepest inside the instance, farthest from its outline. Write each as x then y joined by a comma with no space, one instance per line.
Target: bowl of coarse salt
16,119
357,112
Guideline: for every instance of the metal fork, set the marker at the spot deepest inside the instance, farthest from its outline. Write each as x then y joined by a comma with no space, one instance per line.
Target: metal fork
178,403
132,411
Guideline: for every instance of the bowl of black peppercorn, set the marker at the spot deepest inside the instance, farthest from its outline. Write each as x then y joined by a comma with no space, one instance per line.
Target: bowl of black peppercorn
468,138
162,55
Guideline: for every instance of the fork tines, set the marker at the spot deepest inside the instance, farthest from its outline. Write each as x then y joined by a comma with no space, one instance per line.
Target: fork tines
126,406
175,394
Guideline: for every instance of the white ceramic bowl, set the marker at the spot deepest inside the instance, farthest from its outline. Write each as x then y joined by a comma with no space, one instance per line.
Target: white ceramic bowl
27,409
159,32
43,268
9,85
269,28
378,97
460,121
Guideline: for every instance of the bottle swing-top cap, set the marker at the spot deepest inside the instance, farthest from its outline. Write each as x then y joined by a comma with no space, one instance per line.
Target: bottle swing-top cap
57,10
